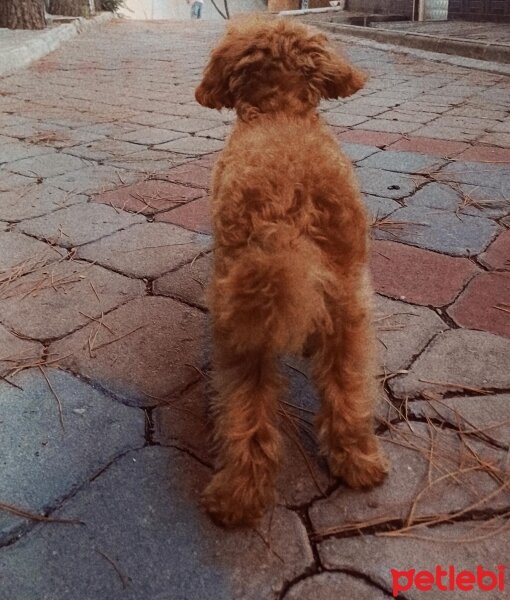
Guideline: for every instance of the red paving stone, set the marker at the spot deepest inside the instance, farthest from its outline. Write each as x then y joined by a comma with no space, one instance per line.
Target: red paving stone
497,255
486,153
193,173
149,197
418,276
485,304
194,215
370,138
429,146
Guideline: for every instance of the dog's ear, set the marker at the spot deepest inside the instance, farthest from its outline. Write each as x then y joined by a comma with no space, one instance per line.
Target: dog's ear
330,74
213,91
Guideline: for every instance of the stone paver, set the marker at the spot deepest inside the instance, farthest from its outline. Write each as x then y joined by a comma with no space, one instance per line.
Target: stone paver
497,255
47,165
445,545
149,197
150,136
461,199
406,485
63,449
379,208
91,179
485,304
493,175
192,145
194,215
403,162
483,416
20,254
16,351
146,349
194,173
403,331
57,299
187,283
65,227
386,183
439,230
458,359
418,276
146,250
326,586
433,146
27,202
358,152
137,522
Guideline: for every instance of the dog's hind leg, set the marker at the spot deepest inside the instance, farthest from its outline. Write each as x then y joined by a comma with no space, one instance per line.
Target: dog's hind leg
344,373
246,436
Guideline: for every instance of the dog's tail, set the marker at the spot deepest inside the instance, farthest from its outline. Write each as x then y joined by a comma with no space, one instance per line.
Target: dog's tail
272,300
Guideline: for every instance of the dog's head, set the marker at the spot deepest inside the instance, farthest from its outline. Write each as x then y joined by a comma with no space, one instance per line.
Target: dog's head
275,64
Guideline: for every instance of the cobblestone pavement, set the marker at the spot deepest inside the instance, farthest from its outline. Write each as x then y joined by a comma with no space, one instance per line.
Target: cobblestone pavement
104,250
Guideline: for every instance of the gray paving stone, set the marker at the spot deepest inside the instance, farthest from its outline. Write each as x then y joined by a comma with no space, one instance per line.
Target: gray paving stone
66,227
192,145
10,181
413,462
447,232
332,586
58,298
217,133
375,556
149,161
17,249
358,152
146,250
15,351
386,184
187,124
34,200
388,126
412,117
496,139
457,358
149,136
403,330
379,207
138,513
47,165
187,283
483,416
92,180
464,199
45,460
103,149
147,351
403,162
446,133
14,150
339,119
475,173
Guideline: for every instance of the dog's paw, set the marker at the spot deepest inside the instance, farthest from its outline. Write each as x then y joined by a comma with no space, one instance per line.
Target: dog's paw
233,503
360,469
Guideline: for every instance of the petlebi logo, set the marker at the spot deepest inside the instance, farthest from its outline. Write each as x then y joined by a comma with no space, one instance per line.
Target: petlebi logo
450,578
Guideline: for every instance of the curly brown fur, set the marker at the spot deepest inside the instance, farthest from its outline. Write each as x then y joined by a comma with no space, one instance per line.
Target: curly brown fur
290,263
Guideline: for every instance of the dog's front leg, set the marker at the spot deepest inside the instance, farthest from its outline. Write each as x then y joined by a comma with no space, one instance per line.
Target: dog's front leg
344,372
246,436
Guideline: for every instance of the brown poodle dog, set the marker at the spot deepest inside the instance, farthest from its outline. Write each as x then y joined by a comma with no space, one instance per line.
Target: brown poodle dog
290,273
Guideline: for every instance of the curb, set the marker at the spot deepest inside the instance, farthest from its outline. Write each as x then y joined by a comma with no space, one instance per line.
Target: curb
499,53
47,41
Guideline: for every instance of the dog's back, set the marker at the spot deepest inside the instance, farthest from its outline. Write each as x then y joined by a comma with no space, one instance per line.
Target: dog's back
285,205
